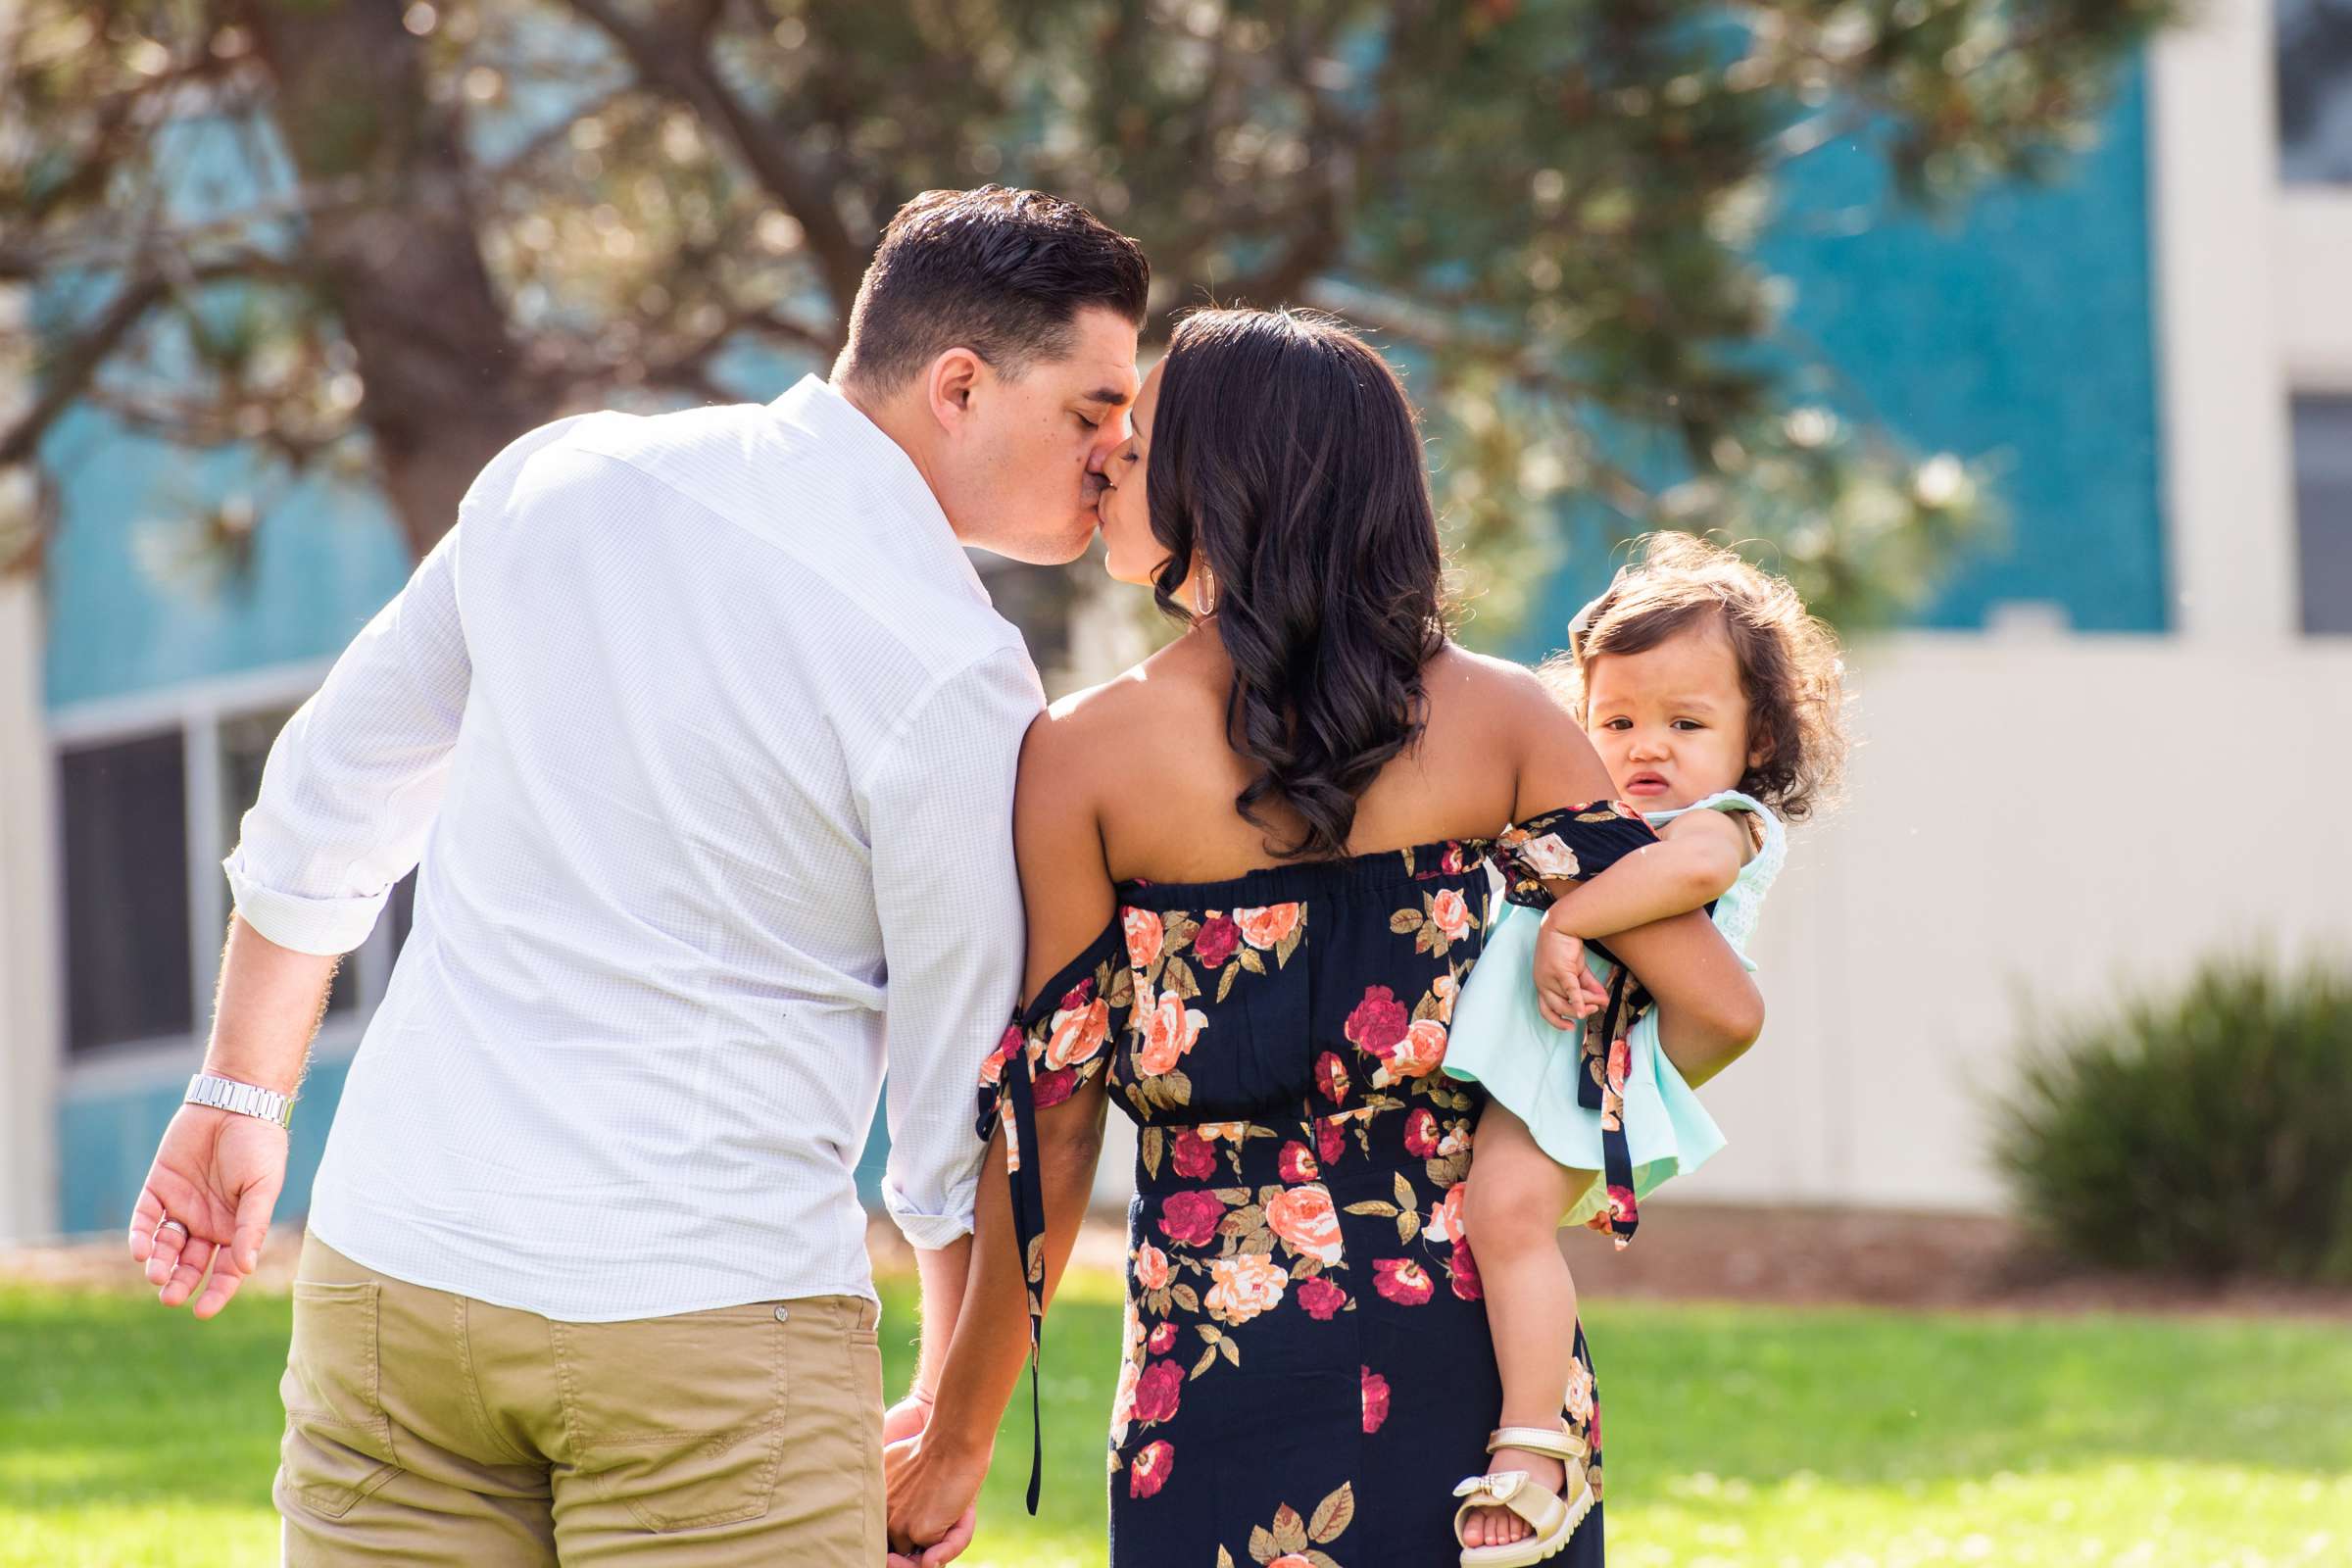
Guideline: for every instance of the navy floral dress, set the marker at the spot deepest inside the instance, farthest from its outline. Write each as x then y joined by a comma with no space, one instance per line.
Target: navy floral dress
1307,1367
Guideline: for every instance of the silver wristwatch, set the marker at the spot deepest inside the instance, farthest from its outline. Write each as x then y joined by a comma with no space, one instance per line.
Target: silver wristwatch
246,1100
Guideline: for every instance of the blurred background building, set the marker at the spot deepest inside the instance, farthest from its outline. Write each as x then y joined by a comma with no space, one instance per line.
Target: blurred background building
2098,749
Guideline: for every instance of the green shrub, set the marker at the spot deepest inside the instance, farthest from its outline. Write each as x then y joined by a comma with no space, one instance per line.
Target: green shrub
2208,1131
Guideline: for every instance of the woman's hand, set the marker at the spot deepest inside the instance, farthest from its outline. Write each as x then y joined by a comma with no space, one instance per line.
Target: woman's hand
1565,990
932,1486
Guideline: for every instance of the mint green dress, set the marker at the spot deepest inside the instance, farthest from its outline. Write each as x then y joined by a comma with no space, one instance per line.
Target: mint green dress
1501,1039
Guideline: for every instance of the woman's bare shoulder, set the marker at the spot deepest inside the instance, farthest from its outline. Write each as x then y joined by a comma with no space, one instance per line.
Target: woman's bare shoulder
1482,691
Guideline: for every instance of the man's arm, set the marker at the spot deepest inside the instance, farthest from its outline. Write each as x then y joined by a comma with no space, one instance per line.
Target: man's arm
217,1173
1067,902
347,799
939,811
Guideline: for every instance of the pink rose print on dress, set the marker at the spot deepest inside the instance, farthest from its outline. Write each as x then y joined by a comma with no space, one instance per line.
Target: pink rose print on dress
1445,1223
1162,1340
1268,927
1078,1032
1449,913
1402,1281
1421,1133
1549,856
1464,1269
1379,1021
1216,941
1143,936
1190,1219
1621,1062
1420,1052
1296,1163
1157,1392
1331,1141
1052,1088
1246,1284
1331,1077
1320,1298
1305,1218
1170,1033
1193,1154
1008,1046
1148,1470
1445,988
1580,1393
1376,1400
1151,1267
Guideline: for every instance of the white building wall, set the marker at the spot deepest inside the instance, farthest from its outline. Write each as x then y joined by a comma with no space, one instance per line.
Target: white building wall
2034,827
28,956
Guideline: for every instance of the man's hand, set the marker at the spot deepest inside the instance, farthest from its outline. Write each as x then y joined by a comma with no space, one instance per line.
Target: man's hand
932,1505
207,1202
1565,990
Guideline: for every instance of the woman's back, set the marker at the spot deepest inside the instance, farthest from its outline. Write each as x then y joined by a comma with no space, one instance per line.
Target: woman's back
1148,755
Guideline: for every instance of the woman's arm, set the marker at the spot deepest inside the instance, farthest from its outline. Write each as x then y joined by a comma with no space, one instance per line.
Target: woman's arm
1709,1010
1068,899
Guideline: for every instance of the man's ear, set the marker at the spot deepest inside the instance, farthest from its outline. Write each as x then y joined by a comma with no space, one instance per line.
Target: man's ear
951,385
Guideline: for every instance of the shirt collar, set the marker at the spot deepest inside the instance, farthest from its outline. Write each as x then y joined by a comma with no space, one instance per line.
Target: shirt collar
898,487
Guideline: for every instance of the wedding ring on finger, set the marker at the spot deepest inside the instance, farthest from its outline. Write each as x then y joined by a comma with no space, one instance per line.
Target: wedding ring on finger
169,1224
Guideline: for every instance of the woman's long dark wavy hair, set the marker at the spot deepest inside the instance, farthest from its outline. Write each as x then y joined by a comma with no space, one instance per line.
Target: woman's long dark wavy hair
1286,458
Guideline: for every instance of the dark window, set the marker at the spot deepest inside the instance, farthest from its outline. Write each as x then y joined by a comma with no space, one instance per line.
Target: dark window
124,807
2323,511
2314,91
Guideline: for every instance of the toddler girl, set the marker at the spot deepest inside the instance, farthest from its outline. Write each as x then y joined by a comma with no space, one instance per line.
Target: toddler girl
1713,699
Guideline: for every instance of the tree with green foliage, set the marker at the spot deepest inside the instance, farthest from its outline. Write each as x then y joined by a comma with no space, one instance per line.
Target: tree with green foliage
395,238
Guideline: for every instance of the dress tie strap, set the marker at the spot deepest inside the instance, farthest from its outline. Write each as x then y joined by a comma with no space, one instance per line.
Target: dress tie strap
1029,1238
1608,1056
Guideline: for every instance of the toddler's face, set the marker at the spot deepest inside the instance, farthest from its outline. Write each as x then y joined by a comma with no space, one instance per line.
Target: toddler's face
1670,722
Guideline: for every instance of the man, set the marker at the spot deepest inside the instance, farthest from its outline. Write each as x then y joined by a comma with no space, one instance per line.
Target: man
705,732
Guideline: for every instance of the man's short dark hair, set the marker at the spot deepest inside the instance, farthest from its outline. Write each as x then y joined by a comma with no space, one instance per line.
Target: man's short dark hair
1002,273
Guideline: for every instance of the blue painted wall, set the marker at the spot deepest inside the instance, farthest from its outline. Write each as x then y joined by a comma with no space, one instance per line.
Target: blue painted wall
132,609
2021,331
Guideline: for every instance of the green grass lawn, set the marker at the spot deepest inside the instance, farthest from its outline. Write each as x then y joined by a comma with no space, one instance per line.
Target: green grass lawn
1737,1437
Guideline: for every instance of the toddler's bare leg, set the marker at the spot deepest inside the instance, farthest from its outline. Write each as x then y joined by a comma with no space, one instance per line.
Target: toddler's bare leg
1512,1213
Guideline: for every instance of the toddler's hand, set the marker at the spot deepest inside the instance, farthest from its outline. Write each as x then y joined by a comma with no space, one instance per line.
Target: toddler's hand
1565,990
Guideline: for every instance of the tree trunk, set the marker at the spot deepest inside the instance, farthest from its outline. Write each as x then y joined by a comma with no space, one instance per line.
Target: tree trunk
445,385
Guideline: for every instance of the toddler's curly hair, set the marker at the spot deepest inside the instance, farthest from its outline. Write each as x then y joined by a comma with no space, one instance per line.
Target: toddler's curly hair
1789,664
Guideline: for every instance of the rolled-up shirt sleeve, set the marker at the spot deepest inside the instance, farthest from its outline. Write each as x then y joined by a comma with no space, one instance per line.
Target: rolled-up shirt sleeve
939,807
355,778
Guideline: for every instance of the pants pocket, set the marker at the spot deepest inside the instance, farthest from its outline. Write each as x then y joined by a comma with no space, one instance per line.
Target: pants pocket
679,1419
338,1439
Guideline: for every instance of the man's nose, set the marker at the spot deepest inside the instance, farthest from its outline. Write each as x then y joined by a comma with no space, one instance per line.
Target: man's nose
1107,440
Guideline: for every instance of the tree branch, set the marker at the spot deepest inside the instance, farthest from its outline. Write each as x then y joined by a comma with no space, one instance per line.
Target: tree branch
70,372
681,67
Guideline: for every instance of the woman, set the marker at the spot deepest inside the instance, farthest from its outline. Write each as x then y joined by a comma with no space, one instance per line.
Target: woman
1256,870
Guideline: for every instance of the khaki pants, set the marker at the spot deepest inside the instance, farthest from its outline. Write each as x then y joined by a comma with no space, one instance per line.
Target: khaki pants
428,1428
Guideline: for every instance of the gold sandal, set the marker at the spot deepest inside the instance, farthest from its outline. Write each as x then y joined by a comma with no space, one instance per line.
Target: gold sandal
1552,1518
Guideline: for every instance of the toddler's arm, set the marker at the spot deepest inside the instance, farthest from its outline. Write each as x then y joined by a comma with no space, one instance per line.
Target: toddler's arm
1696,858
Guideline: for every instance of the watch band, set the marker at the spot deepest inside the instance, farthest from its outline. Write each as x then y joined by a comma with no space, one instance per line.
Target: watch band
246,1100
